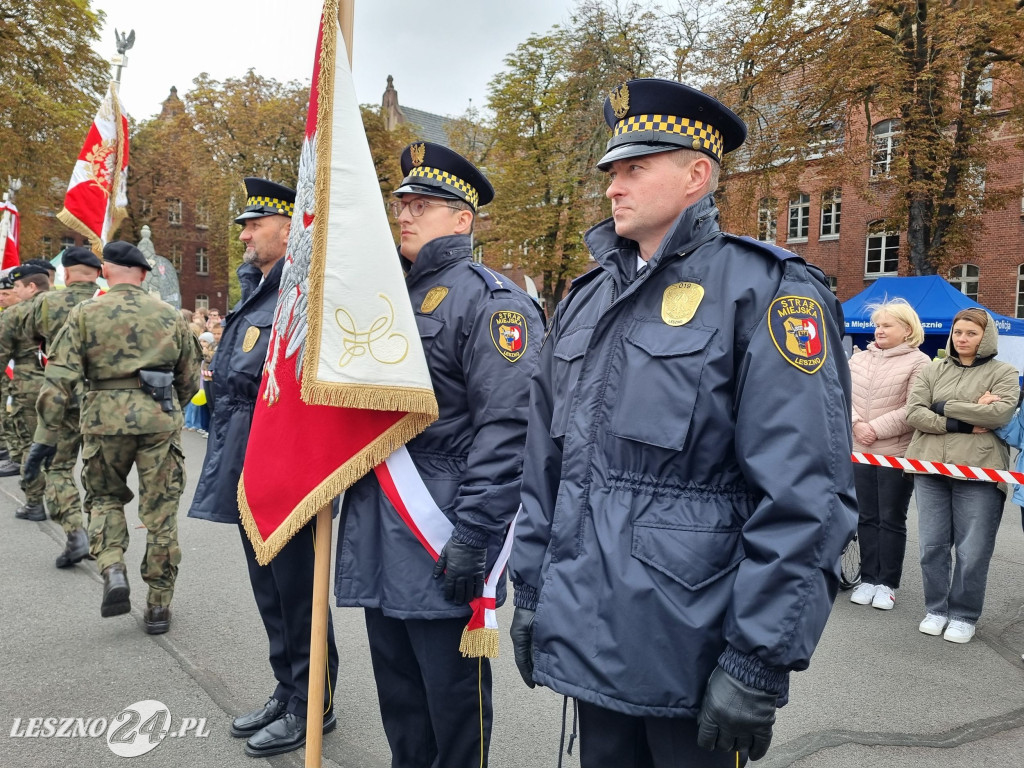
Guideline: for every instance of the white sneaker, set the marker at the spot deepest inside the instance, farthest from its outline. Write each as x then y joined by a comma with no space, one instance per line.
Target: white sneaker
933,624
959,632
884,598
863,594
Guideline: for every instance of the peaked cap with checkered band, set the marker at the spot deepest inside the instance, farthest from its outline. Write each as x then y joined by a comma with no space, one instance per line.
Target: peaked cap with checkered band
434,170
266,198
653,115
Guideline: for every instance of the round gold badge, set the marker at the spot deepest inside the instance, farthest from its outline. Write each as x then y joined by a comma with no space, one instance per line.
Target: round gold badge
680,302
433,299
251,337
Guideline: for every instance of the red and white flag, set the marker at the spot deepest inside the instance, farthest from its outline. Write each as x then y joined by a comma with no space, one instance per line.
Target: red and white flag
346,381
10,231
98,193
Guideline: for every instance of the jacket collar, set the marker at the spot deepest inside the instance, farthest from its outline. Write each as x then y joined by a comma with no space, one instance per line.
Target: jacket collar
436,255
898,350
249,279
617,255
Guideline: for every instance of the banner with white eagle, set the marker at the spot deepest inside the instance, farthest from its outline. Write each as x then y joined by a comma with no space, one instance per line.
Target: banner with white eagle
346,380
10,234
97,195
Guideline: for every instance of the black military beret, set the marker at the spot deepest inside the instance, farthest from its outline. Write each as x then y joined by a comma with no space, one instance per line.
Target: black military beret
79,254
653,115
434,170
25,270
6,283
43,263
266,198
125,254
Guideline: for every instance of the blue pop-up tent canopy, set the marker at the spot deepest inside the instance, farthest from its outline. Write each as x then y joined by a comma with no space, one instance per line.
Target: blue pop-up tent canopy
936,302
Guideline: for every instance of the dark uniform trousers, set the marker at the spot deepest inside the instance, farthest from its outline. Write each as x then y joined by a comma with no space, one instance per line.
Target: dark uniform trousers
284,595
435,704
613,740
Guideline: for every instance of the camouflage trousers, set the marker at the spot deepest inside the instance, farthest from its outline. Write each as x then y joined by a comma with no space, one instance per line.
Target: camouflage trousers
160,464
6,425
63,500
23,422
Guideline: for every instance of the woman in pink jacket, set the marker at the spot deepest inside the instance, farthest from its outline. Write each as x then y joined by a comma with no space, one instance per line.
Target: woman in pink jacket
882,376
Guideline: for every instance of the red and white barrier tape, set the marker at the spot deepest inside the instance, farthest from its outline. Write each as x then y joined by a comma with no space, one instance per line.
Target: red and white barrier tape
960,471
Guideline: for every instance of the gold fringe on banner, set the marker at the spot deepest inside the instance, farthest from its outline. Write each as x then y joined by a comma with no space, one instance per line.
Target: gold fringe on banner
481,642
69,220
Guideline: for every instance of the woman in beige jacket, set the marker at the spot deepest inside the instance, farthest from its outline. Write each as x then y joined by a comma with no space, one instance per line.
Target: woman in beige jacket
954,405
882,376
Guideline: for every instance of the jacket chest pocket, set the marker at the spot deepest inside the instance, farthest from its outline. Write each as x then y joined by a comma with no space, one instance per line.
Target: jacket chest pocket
430,336
250,348
568,360
661,372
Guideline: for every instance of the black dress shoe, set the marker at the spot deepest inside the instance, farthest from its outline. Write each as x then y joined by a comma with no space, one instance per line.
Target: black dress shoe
115,591
157,619
285,734
75,550
246,725
33,512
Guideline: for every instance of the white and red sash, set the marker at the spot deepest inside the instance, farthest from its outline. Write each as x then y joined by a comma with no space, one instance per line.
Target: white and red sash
404,488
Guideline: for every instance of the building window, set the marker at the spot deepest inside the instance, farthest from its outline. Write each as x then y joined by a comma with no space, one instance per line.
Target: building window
799,217
202,216
1020,291
833,283
174,211
46,251
964,277
885,137
478,254
145,208
202,301
176,257
831,208
883,254
767,220
983,94
67,242
202,262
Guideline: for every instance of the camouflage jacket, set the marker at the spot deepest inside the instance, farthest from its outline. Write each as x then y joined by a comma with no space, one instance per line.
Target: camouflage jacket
49,310
110,339
24,350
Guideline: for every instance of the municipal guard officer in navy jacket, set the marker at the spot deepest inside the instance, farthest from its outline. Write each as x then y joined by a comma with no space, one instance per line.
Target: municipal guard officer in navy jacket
687,488
284,588
480,333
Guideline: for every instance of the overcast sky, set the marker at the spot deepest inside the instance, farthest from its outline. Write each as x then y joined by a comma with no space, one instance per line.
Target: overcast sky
442,53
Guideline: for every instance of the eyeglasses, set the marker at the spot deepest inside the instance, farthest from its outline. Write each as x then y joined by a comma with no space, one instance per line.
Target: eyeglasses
416,207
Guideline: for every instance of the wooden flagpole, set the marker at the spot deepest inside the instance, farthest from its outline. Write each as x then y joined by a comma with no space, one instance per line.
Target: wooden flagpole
322,556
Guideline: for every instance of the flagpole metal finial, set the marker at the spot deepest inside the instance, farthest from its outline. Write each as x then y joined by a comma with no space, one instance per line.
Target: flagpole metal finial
124,44
13,185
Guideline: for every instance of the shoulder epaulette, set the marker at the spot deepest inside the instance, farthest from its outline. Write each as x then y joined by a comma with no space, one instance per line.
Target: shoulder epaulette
585,278
779,253
494,281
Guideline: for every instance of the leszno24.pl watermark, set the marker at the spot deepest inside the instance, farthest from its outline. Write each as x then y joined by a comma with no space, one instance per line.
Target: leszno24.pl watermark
135,730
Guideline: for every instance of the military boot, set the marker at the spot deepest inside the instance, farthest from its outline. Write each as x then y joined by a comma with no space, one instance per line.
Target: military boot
76,549
9,468
28,511
157,619
115,591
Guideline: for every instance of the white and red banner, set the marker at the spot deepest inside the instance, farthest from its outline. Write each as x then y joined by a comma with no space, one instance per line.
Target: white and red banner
10,232
97,195
957,471
346,380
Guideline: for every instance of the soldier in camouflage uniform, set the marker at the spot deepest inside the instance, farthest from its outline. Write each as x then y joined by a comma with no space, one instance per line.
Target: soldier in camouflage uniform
49,311
7,467
140,365
29,281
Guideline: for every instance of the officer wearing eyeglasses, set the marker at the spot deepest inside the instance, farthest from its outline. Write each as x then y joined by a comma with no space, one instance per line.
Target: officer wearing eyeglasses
480,333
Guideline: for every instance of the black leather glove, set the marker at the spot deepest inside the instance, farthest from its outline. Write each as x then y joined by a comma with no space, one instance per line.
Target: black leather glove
463,566
735,716
39,455
521,632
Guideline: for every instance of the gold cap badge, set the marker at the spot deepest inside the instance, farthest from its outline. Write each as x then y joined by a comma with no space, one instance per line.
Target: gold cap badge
680,301
620,101
417,152
433,299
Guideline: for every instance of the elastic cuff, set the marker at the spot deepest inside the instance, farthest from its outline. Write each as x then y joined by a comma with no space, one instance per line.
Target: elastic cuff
750,670
939,407
471,535
525,597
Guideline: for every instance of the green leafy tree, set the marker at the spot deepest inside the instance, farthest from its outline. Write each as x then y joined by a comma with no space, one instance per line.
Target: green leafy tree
51,83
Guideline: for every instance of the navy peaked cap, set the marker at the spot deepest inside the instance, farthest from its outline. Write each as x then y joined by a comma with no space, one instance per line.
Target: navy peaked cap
434,170
654,115
266,198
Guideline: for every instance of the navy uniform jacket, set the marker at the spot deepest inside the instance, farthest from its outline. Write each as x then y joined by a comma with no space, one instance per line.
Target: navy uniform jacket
237,373
687,489
481,334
